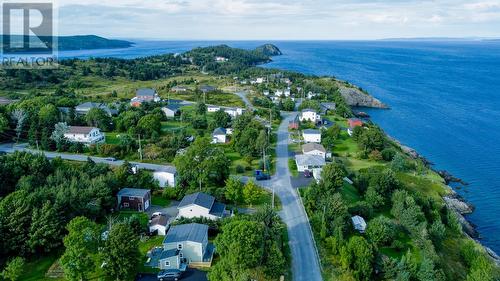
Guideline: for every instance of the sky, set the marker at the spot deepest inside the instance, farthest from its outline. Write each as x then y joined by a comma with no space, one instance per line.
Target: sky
279,19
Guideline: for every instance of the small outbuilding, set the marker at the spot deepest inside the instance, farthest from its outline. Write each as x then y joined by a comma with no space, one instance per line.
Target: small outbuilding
359,224
134,199
158,224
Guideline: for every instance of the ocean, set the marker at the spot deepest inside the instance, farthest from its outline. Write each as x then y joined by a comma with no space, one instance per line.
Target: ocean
444,98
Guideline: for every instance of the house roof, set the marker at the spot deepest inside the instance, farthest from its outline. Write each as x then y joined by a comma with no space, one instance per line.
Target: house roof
308,110
198,198
167,169
328,105
159,220
80,130
359,222
219,132
308,147
165,254
173,107
89,105
133,192
311,132
145,92
194,232
310,160
207,88
218,209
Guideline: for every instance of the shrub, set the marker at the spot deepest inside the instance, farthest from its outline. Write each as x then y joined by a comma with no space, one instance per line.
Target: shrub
240,169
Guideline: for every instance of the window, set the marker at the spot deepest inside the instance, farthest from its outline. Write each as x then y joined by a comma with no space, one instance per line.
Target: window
179,246
167,263
181,255
126,205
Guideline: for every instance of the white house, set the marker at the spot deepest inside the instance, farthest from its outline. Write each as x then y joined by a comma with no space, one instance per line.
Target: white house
219,135
85,135
350,131
310,135
278,93
200,205
159,224
185,244
311,95
259,80
309,115
221,59
266,93
314,149
287,93
359,224
170,110
234,111
309,162
213,108
166,176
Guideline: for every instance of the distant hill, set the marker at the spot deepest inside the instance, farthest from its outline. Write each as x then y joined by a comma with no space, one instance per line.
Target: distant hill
81,42
269,50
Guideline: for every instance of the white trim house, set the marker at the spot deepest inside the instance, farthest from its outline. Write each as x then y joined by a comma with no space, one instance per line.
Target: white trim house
166,176
201,205
85,135
309,162
311,135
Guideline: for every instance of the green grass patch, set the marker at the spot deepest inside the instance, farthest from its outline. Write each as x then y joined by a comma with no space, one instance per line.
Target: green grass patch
145,245
113,138
430,187
292,166
159,200
350,193
125,215
36,270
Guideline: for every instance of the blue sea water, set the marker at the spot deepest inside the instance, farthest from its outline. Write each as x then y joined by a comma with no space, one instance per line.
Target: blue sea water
444,99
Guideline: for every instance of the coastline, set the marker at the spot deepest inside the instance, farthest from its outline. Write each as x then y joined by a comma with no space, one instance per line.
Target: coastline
454,201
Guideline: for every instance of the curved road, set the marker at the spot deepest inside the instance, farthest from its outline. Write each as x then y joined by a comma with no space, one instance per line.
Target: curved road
305,261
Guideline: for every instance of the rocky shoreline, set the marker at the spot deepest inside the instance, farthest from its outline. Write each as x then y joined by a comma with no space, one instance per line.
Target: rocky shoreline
453,200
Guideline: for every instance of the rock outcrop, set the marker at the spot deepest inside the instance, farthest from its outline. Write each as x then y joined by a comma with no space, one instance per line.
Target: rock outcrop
269,50
355,97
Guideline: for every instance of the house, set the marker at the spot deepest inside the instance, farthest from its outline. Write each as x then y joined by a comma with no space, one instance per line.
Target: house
314,149
171,110
221,59
179,89
309,162
265,93
158,224
213,108
200,205
328,107
144,95
293,125
311,95
186,244
311,135
359,224
350,131
287,93
234,111
85,135
166,176
84,108
207,89
219,135
278,93
309,115
260,80
134,198
354,122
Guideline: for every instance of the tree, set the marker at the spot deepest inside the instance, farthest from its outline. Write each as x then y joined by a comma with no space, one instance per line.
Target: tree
240,247
148,124
332,177
48,115
288,105
14,269
399,163
201,108
330,136
372,139
251,193
20,116
97,117
15,213
222,119
203,163
4,123
120,253
58,134
361,259
234,190
81,245
381,231
45,230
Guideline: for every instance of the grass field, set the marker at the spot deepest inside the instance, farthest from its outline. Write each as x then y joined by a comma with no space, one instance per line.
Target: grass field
159,200
36,270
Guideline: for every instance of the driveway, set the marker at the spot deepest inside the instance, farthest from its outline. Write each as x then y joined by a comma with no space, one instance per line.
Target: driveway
170,210
11,148
305,260
243,96
189,275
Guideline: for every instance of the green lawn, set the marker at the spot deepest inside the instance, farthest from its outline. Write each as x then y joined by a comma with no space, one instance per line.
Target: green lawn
144,246
292,166
350,193
36,270
159,200
143,217
112,138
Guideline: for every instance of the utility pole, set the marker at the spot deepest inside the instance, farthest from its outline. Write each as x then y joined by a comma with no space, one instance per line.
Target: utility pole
37,148
140,148
273,198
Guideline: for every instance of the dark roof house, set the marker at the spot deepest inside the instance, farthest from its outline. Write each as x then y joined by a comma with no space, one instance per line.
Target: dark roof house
193,232
209,207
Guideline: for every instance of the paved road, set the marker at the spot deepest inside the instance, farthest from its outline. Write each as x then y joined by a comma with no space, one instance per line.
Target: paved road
11,148
243,96
305,263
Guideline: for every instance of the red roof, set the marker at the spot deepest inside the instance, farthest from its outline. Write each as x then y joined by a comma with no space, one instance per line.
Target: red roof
355,122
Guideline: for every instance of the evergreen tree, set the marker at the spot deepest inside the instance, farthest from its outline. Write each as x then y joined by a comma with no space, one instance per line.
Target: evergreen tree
45,230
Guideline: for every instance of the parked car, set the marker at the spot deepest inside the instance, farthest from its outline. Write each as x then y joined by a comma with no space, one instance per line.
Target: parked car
169,274
111,159
307,174
263,177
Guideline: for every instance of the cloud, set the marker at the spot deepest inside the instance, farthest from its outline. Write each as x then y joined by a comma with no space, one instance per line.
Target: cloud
280,19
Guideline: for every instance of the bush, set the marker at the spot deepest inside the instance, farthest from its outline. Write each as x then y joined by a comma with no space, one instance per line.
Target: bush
240,169
388,154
